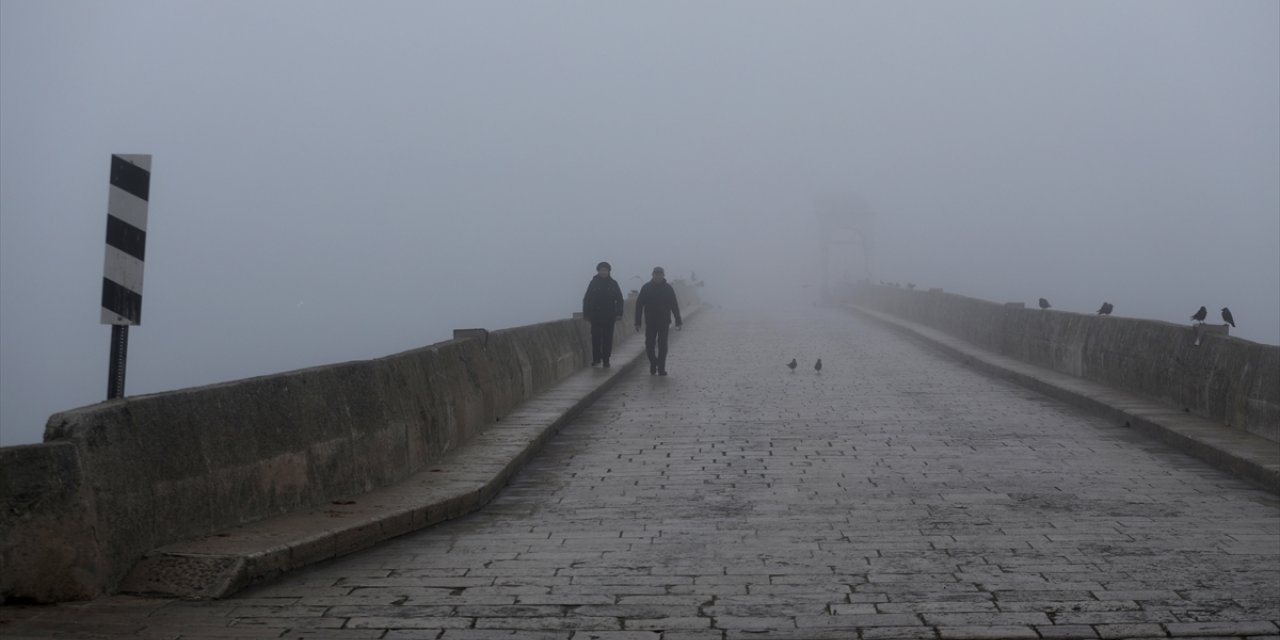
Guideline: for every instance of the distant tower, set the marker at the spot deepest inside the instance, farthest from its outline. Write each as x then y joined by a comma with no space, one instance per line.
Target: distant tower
846,238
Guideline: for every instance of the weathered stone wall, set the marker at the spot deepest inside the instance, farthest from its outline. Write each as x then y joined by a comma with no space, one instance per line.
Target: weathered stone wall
117,479
49,552
1234,381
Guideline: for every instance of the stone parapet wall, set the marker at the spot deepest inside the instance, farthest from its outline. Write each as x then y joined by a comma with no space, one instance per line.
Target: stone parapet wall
117,479
50,551
1233,381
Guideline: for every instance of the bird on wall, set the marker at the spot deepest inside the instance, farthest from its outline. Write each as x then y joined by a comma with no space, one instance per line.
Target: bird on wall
792,365
1105,309
817,366
1044,304
1226,317
1200,315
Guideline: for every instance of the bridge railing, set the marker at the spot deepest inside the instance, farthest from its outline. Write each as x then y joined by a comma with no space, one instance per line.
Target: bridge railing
1233,381
117,479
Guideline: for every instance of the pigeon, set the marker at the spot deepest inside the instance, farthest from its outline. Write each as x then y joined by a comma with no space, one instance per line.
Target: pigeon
1226,317
1105,309
817,366
1044,304
1200,315
792,365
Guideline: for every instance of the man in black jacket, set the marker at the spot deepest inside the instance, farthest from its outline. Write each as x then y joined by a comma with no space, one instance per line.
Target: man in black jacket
602,306
657,303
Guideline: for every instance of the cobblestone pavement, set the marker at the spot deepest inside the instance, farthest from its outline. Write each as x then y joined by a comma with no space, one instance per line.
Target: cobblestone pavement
895,494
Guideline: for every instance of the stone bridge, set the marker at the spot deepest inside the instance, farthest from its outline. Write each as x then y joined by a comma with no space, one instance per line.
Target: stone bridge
957,469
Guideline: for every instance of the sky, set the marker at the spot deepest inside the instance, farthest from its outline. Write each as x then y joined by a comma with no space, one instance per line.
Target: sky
337,180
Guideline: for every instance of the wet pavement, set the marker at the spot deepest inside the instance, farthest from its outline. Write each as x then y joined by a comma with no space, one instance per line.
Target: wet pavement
895,494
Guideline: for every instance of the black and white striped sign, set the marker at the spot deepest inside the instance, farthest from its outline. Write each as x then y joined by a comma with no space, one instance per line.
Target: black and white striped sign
126,239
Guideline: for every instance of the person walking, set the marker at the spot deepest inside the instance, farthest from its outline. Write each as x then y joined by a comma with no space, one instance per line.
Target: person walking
602,307
656,304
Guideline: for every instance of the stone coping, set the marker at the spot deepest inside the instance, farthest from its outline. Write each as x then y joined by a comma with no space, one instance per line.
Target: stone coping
1238,452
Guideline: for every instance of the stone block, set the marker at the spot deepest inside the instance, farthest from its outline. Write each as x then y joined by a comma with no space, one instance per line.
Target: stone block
46,552
470,334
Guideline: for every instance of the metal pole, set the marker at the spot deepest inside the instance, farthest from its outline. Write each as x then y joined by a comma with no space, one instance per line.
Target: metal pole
119,353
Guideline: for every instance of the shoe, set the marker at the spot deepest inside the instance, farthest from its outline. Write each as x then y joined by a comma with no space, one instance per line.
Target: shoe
595,362
653,370
662,373
606,363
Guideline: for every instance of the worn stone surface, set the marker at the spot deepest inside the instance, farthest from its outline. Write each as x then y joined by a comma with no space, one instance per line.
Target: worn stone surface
461,481
1239,452
1233,382
168,467
43,508
176,465
896,494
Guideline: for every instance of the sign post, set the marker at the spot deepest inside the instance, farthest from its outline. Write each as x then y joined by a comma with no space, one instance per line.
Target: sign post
125,253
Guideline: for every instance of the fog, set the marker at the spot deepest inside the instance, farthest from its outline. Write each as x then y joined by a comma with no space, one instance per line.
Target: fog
339,180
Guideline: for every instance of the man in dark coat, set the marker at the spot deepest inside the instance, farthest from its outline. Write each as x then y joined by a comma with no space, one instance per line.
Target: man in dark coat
602,306
656,304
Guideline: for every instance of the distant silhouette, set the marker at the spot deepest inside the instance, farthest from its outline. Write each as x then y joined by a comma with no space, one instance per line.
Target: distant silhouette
656,304
1226,316
602,306
792,365
817,366
1044,304
1106,309
911,285
1200,315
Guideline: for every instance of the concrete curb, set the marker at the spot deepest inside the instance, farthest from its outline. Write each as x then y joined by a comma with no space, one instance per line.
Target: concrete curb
1240,453
463,481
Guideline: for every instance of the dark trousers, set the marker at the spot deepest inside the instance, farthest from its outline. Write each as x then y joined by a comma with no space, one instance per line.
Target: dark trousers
656,333
601,339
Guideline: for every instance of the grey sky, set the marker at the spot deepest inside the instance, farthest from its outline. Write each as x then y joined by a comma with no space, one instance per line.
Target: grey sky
340,180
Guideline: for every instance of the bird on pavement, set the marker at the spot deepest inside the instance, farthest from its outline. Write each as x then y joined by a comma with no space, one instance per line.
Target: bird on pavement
1044,304
792,365
1200,315
1105,310
817,366
1226,317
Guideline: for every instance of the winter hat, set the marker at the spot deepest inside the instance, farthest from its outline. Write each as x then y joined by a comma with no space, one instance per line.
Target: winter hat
659,270
604,265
